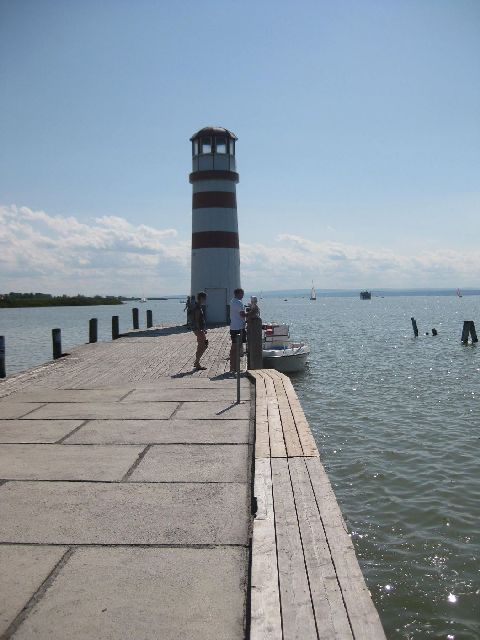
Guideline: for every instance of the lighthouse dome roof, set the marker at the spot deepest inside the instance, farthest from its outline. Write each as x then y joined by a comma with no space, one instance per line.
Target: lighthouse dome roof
214,131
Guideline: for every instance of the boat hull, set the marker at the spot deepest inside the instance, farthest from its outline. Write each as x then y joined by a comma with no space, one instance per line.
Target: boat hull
285,360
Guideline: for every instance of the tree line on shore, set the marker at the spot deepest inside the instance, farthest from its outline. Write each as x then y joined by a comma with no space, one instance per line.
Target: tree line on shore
15,299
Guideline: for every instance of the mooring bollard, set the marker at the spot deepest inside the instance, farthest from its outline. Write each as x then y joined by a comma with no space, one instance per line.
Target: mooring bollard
254,342
415,328
469,329
135,318
115,328
238,341
149,319
93,330
57,343
3,373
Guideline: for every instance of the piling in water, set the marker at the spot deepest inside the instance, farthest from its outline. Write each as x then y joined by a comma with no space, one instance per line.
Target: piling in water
469,330
415,328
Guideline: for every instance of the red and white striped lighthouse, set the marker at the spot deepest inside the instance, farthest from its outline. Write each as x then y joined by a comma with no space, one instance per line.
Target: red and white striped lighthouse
215,246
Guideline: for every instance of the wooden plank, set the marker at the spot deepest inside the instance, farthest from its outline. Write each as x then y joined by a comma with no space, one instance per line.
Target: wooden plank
306,438
329,608
297,610
290,434
277,443
266,621
262,439
363,616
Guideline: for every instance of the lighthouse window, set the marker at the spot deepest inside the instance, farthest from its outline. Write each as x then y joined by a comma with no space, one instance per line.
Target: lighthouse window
221,144
232,147
195,147
206,145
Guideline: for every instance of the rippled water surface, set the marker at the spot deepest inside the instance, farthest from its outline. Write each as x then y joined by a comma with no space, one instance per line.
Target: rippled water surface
397,422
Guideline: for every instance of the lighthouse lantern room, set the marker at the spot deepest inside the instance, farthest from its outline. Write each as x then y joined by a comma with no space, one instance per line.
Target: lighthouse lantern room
215,246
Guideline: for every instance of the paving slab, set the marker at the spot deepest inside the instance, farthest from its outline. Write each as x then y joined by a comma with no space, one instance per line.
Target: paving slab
107,410
193,463
58,462
161,431
214,410
70,395
123,513
9,409
145,594
218,394
36,430
24,568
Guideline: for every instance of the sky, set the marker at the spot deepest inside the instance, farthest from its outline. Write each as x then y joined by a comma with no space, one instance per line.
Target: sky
358,125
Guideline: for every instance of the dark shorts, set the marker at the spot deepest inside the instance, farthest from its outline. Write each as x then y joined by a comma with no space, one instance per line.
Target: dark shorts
237,332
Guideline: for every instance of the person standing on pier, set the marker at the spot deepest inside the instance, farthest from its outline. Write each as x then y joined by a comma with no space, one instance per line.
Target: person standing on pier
199,329
237,325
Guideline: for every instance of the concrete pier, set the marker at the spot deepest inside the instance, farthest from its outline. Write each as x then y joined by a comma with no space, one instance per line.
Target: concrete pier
127,487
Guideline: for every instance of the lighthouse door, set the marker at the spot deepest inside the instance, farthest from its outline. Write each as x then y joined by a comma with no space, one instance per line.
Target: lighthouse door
216,306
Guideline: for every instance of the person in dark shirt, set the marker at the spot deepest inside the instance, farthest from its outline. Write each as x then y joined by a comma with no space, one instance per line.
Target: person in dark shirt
199,329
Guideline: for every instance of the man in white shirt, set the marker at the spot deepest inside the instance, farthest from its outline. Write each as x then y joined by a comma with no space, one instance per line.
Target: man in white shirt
237,325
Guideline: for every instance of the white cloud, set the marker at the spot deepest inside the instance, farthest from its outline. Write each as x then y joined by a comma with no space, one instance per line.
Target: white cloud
61,254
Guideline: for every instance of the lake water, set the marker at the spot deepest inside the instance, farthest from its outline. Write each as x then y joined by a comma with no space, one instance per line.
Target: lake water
397,422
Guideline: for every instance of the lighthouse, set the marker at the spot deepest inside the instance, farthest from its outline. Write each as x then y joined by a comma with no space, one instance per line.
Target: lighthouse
215,246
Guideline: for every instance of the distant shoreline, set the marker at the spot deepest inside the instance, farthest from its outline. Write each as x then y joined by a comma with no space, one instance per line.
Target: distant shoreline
9,301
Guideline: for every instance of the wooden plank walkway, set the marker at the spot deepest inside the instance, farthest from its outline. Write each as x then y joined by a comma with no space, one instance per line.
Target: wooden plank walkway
305,582
125,506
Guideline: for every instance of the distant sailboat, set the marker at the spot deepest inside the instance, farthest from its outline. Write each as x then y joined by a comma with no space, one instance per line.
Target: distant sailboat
459,293
313,293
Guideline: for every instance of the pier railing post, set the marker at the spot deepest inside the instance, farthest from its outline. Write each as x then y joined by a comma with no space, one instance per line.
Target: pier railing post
93,330
57,343
115,328
3,373
135,318
254,342
415,328
149,319
238,342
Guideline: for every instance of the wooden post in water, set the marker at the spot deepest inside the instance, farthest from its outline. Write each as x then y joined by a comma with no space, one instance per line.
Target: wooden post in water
254,342
149,319
238,341
3,373
93,330
115,328
135,318
473,333
415,328
469,329
57,343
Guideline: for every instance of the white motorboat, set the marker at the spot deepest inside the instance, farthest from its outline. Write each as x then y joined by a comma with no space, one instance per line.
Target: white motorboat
280,352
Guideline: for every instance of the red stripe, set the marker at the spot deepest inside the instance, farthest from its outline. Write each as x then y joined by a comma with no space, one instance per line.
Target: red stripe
215,240
214,199
196,176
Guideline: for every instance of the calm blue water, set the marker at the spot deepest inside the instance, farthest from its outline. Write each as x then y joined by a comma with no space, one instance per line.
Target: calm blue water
397,422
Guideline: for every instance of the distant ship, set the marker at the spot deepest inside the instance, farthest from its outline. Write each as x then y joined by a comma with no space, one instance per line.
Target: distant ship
459,293
365,295
313,293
